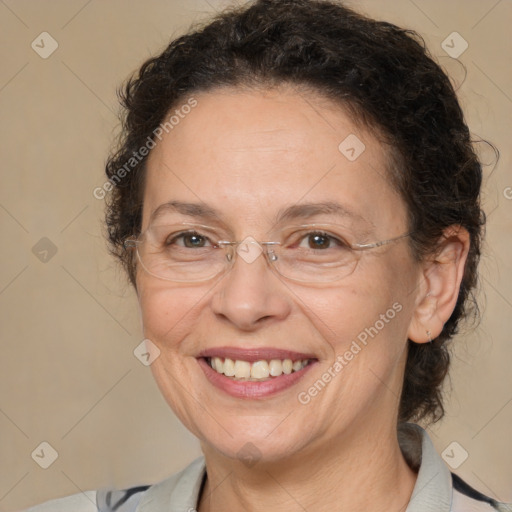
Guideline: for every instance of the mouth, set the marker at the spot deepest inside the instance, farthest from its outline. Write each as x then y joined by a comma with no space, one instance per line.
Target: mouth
254,373
258,371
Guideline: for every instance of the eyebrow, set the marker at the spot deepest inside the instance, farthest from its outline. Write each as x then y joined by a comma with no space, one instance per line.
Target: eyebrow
189,209
307,210
290,213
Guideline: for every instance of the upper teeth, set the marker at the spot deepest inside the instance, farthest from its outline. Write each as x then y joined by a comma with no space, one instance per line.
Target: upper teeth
258,370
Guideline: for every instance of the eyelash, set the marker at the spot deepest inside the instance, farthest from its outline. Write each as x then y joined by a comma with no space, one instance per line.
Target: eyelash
333,239
177,236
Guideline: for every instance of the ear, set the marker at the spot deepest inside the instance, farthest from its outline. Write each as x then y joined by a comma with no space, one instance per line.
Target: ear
439,285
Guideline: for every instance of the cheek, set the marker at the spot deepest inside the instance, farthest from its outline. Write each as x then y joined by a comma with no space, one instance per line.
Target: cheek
168,311
372,304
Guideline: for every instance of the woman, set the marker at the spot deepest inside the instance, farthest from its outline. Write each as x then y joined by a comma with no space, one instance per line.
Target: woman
296,202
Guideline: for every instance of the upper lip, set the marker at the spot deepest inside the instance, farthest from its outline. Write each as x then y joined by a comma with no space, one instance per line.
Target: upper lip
254,354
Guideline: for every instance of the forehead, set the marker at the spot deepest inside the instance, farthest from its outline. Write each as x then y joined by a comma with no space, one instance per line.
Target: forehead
250,155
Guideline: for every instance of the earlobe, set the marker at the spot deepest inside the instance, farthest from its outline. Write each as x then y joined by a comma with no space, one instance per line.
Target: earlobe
441,279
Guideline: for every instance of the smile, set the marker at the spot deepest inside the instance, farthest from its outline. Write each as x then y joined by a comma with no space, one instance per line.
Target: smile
255,371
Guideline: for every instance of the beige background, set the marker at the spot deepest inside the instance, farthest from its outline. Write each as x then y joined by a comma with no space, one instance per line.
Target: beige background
69,326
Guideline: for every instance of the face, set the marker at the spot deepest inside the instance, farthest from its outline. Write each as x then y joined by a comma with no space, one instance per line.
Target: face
250,161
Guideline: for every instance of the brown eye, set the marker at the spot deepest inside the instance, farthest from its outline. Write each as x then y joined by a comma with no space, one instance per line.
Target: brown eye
194,240
319,241
189,240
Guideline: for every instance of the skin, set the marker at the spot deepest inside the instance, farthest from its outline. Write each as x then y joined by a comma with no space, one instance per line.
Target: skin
248,154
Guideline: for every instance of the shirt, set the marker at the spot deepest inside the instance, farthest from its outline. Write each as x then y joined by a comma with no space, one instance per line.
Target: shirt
436,488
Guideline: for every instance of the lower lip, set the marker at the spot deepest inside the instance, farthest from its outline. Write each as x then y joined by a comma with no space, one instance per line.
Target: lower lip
252,389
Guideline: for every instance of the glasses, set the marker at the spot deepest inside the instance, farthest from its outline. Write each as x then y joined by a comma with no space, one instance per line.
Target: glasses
311,253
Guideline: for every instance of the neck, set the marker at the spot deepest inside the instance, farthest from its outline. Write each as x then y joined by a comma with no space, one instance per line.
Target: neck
363,471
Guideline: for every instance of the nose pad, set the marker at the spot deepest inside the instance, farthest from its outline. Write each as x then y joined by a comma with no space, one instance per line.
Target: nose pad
272,256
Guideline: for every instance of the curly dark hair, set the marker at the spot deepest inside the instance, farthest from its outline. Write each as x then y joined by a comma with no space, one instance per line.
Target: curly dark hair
384,77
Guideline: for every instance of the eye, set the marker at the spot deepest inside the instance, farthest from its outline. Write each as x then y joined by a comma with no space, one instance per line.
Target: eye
320,240
190,240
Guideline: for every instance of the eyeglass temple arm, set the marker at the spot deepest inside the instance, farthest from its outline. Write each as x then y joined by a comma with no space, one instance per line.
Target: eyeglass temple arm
130,242
382,242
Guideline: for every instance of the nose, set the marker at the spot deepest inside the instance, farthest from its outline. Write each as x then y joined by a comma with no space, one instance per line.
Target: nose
250,294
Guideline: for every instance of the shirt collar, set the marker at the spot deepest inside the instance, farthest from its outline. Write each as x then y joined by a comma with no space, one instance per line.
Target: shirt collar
432,491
